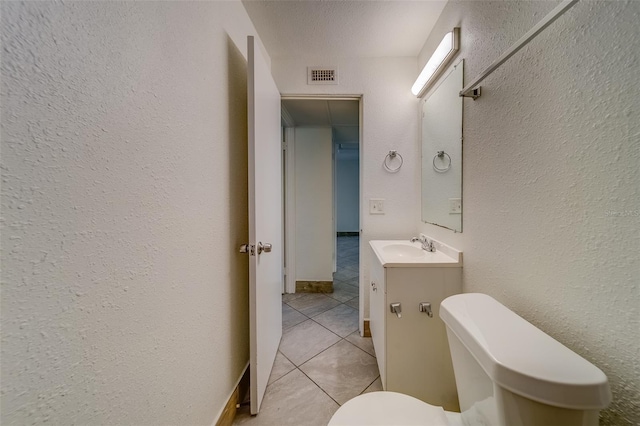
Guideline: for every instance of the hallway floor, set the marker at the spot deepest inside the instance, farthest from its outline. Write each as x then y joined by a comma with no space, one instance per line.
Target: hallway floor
322,361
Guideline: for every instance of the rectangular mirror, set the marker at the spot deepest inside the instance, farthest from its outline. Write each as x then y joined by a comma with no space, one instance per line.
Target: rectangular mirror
442,152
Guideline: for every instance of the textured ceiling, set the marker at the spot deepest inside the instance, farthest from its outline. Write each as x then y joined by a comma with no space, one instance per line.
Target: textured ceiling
343,28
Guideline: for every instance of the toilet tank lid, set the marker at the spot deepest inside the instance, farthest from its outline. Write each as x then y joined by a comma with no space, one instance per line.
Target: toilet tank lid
522,358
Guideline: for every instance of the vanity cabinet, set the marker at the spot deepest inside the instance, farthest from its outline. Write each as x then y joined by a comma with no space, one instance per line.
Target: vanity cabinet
411,347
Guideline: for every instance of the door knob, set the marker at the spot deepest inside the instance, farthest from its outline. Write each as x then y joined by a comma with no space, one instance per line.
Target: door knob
266,247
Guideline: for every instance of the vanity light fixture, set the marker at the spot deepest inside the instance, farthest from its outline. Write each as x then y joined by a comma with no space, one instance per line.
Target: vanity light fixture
446,50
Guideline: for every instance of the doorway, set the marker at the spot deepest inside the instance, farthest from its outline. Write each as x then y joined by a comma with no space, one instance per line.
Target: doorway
322,146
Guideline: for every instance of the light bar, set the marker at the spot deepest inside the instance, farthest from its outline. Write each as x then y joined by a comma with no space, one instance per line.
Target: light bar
446,50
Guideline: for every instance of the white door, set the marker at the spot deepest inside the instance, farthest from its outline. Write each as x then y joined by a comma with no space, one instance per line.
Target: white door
265,222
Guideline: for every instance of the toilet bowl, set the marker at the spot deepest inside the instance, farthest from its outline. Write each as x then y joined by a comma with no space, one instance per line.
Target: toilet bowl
508,373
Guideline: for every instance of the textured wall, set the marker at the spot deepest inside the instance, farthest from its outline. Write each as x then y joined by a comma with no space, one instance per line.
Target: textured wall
390,121
123,202
551,177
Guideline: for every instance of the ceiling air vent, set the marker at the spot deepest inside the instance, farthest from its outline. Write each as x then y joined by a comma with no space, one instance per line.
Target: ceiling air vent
322,75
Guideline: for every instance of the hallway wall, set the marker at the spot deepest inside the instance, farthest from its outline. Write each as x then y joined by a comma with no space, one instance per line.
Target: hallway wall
314,204
347,192
124,300
551,200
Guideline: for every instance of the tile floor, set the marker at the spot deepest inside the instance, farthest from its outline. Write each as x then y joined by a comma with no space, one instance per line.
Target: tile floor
322,361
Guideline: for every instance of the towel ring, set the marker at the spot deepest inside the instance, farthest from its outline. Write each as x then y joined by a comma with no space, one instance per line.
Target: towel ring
441,155
390,156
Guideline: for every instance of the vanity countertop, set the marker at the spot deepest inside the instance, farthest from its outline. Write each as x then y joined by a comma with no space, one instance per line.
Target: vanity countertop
405,254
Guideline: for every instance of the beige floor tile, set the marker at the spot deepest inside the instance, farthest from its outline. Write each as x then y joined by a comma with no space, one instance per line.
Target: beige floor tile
302,342
288,297
343,292
291,317
342,371
342,320
344,275
352,282
364,343
354,303
376,386
281,366
293,400
312,304
352,267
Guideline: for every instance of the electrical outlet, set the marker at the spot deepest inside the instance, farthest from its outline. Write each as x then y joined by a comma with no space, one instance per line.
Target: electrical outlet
455,205
376,205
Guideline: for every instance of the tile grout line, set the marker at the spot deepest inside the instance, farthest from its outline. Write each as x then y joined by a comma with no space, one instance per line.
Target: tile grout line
298,367
324,350
329,330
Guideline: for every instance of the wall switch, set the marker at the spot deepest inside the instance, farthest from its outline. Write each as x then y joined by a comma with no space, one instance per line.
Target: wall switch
376,205
455,205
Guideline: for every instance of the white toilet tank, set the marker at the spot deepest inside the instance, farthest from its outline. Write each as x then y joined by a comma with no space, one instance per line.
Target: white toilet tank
510,373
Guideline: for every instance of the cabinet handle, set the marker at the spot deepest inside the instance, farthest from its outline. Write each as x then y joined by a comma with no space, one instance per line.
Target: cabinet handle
426,308
373,286
396,308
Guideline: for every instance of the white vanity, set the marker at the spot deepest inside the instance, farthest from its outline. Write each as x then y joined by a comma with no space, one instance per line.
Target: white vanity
407,286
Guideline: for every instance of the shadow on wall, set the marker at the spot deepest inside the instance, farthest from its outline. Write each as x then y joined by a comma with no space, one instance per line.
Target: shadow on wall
238,197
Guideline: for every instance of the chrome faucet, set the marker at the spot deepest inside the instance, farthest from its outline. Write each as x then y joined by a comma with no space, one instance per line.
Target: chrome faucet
426,244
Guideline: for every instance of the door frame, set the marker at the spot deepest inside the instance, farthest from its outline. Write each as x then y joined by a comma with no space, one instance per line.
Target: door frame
289,196
289,190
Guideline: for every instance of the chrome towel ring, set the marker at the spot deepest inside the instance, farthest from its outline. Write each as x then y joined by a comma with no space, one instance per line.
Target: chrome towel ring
389,159
441,155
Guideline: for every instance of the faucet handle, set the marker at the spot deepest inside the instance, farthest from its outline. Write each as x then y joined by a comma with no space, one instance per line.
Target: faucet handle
427,244
414,239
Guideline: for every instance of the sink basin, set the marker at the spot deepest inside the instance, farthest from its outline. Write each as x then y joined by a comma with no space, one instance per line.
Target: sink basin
403,250
405,254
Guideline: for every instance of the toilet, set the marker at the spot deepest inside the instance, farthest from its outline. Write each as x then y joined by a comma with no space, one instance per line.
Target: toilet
507,371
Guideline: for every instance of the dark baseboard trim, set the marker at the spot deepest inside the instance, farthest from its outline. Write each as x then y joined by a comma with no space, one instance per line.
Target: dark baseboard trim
237,397
367,329
314,286
348,234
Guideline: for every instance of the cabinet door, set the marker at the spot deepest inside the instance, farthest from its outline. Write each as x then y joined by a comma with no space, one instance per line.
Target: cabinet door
376,316
417,358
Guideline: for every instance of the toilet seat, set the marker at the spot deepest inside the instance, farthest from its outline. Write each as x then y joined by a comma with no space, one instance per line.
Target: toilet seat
388,408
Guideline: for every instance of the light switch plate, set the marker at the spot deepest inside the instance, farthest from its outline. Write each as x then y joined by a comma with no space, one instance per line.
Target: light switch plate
376,205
